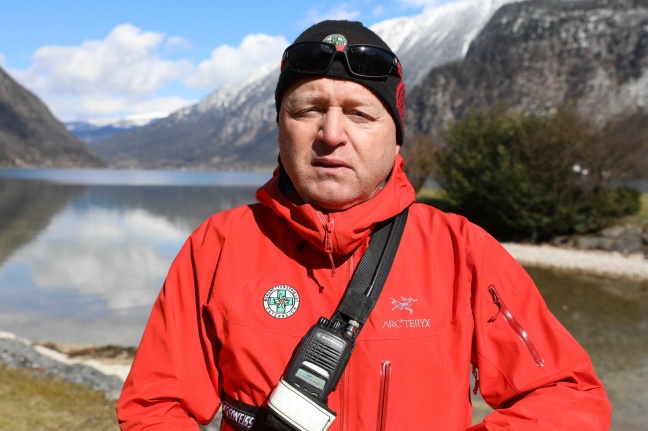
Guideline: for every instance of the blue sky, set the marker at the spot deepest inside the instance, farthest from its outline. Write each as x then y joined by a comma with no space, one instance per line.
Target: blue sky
107,60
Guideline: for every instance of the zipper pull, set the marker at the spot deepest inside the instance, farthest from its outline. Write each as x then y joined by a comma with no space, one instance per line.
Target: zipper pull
475,374
328,245
497,301
515,325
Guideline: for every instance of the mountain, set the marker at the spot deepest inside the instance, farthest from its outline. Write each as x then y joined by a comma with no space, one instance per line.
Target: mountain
591,54
233,124
234,128
91,133
30,136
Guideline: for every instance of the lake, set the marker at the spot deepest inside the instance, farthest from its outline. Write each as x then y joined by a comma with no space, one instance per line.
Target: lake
83,254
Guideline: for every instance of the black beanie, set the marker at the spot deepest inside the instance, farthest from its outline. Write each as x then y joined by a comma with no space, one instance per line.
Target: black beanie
390,90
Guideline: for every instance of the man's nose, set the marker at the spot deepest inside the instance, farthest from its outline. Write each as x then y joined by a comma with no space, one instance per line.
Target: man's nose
332,129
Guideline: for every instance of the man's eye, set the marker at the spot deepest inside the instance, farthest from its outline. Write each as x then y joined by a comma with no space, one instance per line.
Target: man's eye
305,111
361,115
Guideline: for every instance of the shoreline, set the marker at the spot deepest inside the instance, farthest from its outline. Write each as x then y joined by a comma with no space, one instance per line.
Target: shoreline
592,262
20,353
611,264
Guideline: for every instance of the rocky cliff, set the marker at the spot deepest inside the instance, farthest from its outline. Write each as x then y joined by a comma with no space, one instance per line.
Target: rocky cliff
591,54
30,136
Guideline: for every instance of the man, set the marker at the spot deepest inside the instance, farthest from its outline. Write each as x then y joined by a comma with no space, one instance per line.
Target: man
251,281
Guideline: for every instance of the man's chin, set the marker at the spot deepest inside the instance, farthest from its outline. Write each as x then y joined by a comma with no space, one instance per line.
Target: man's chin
335,201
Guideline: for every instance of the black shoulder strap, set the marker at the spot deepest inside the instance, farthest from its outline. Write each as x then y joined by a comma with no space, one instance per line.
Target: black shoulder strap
369,277
359,299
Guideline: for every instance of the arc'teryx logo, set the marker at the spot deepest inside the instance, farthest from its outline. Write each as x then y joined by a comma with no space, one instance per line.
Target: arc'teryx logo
404,304
281,301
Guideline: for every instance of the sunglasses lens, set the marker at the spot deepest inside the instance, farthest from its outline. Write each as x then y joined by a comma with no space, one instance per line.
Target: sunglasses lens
310,57
369,60
314,57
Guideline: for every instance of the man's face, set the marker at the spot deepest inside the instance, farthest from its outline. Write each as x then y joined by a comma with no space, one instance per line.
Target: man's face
337,141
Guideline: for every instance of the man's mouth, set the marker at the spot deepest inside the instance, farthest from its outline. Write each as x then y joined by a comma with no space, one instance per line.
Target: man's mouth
329,163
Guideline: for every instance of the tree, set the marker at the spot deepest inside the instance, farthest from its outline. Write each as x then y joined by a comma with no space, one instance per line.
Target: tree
419,153
532,176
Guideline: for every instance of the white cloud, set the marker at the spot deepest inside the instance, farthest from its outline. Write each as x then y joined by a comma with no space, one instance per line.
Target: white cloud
378,11
425,3
126,62
178,43
108,108
104,252
2,59
339,11
229,64
106,77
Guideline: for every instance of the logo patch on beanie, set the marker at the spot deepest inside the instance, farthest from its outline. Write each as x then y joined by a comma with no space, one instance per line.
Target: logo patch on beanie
336,39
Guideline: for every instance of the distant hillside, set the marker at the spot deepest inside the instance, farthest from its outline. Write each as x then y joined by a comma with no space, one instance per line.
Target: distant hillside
30,136
234,128
591,54
90,133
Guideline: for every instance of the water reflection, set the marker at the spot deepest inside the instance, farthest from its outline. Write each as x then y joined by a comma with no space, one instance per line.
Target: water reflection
26,208
84,264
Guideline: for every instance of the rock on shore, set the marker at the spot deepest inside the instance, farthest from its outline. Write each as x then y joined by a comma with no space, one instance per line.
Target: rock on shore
627,238
19,353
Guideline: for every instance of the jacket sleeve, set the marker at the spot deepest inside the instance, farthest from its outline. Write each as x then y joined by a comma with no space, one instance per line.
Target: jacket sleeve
173,382
531,370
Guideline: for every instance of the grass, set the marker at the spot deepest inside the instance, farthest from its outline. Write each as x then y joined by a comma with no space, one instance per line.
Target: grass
435,197
643,211
429,194
33,402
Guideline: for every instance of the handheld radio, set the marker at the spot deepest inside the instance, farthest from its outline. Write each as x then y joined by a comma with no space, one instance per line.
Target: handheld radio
321,359
299,401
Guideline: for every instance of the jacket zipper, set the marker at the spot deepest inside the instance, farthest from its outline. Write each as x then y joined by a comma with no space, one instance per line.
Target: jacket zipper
328,242
515,325
383,395
342,412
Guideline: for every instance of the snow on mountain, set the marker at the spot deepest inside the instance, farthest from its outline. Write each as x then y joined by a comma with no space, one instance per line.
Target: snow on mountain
232,96
235,125
92,133
589,55
437,36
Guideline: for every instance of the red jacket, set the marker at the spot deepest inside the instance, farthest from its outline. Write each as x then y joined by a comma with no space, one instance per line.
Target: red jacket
455,299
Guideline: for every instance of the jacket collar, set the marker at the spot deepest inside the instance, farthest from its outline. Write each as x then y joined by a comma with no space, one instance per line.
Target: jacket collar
351,227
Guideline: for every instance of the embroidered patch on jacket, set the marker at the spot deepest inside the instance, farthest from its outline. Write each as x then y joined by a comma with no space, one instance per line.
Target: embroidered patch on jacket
281,301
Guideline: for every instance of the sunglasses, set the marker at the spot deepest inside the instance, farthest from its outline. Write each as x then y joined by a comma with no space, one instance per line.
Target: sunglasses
363,61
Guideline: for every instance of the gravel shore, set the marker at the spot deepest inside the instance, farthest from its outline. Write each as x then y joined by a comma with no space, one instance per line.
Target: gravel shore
602,263
19,353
